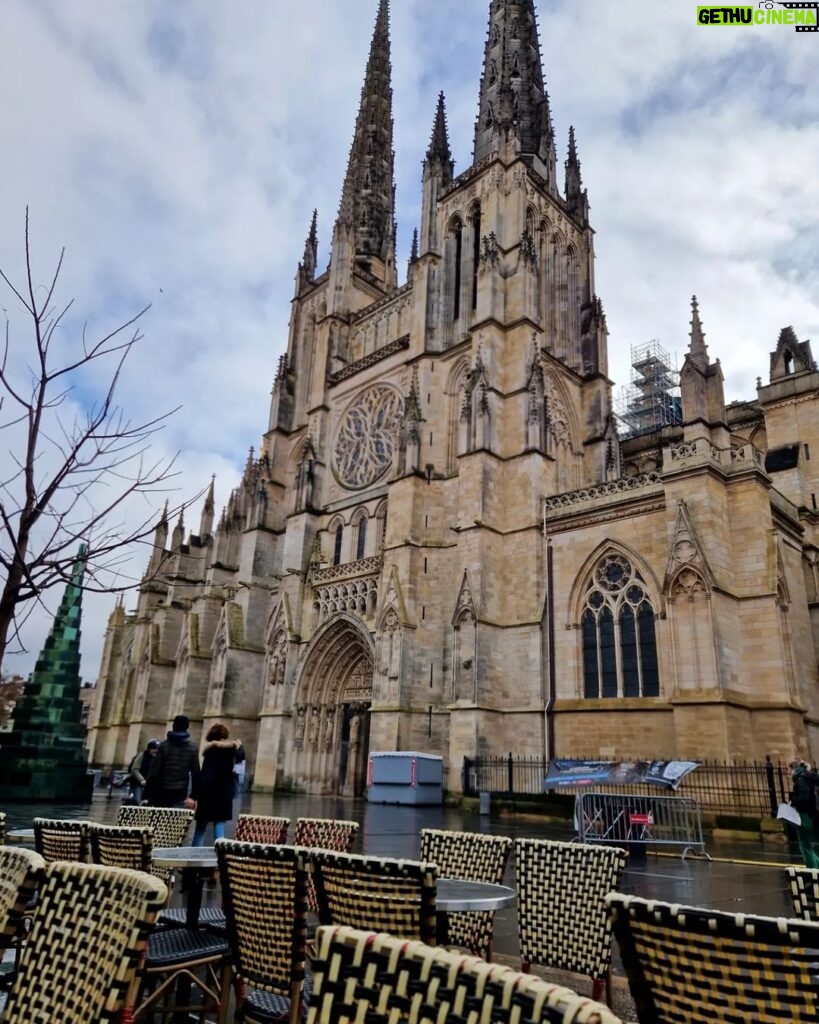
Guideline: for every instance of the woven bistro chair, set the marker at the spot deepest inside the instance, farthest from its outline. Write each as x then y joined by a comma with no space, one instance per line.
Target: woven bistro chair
118,846
361,976
477,858
170,825
265,896
2,828
21,872
261,828
804,889
377,893
324,834
135,816
58,839
563,921
691,965
87,940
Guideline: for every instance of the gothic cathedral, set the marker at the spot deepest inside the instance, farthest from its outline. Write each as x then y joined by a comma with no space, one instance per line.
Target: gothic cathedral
444,543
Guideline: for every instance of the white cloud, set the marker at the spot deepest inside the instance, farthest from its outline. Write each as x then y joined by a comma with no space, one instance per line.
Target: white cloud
178,151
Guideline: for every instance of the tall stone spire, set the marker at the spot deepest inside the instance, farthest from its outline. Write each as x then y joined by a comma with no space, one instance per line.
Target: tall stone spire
206,521
439,168
44,757
178,536
367,201
513,103
311,249
439,142
413,256
697,350
576,196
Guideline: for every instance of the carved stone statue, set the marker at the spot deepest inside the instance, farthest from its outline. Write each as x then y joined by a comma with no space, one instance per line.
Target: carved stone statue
315,721
329,728
301,713
355,731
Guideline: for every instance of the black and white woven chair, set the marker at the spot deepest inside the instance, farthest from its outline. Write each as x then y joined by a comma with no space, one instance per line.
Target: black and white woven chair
380,893
87,940
563,920
59,839
118,846
21,872
478,858
690,965
261,828
264,888
324,834
133,816
2,828
804,889
361,976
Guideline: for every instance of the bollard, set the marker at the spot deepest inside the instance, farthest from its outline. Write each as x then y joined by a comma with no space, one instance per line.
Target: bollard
485,802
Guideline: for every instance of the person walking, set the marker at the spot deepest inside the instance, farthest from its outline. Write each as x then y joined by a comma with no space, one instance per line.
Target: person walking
139,770
803,800
216,785
175,769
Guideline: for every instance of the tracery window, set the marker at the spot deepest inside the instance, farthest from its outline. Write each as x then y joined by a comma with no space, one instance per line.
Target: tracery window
619,638
339,536
361,540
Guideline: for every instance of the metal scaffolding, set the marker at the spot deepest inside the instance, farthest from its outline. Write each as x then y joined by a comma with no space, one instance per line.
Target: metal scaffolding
652,399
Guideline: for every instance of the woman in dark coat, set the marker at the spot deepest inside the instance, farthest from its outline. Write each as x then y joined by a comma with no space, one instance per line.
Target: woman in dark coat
216,785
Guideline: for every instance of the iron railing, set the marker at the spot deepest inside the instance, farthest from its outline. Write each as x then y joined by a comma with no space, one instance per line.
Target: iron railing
741,788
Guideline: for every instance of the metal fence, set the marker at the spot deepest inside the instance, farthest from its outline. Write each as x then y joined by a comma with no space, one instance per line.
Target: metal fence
648,820
743,788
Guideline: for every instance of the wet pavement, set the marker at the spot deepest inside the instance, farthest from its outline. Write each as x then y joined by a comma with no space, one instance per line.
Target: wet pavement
744,876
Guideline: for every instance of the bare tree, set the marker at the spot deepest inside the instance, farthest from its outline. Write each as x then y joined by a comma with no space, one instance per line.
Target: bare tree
77,467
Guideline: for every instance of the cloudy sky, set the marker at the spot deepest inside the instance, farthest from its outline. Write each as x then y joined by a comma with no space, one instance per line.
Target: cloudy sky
177,151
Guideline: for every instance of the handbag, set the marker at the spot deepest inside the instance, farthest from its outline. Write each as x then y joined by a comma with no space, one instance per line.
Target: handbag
789,814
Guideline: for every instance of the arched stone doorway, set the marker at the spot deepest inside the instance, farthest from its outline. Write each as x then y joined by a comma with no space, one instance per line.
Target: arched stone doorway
333,697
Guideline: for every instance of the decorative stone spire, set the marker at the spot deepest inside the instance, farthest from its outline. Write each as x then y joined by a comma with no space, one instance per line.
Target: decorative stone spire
44,757
439,168
206,522
439,150
413,256
310,258
178,538
367,202
697,351
513,102
576,196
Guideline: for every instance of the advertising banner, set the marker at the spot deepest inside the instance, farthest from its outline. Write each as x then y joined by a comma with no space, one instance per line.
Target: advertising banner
564,773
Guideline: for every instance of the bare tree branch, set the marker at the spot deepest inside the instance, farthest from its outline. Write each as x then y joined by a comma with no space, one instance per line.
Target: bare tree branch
75,476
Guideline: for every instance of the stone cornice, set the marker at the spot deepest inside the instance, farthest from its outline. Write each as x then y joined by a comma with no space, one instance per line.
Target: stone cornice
399,345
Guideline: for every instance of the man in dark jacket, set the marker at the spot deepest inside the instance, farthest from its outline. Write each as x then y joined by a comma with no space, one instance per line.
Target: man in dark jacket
803,800
175,769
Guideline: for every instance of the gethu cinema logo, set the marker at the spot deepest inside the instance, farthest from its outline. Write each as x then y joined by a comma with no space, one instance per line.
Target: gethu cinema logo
802,15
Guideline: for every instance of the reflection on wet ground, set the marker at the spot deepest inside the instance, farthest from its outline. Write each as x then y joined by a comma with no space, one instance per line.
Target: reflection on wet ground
756,887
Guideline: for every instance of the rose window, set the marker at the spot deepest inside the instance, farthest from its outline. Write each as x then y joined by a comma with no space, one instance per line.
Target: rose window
367,435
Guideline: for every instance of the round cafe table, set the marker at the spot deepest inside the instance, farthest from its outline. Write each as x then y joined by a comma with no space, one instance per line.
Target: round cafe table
20,835
197,864
457,895
461,895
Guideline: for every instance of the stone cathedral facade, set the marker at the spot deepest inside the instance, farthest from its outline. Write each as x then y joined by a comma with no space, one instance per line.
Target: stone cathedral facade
442,543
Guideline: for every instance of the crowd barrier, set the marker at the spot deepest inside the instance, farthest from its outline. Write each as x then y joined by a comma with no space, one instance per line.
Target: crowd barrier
650,820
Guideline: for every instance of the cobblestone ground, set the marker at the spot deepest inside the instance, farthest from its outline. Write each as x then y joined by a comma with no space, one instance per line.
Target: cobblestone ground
745,877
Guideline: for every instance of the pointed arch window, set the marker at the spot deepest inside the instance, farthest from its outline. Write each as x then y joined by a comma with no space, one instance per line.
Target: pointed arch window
476,252
457,257
618,633
339,537
361,538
